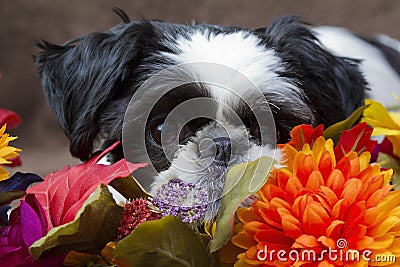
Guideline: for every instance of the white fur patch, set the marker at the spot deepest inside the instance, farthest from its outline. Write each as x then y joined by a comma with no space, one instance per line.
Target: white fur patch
383,80
105,160
242,52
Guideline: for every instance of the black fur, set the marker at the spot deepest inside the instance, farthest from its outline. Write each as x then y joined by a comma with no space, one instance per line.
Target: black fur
333,86
89,82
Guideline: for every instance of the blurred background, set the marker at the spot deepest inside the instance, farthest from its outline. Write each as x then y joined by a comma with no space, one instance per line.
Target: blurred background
22,23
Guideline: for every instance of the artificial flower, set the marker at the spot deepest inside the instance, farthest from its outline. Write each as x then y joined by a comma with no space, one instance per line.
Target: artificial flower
12,120
6,152
384,123
386,147
80,259
27,224
135,213
314,202
357,139
304,134
19,181
179,199
62,193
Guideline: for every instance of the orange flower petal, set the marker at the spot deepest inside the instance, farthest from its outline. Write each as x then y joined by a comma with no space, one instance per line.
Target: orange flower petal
300,205
384,227
382,242
315,181
329,195
376,197
345,167
352,189
255,226
303,166
325,165
364,243
327,242
305,241
246,214
288,154
243,240
370,215
334,229
336,182
293,185
273,237
395,247
339,210
291,226
391,201
325,264
315,219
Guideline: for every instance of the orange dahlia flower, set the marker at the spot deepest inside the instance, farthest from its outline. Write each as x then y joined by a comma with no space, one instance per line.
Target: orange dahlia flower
319,209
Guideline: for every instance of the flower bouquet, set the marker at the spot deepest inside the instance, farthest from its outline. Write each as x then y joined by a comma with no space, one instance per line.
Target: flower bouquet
330,200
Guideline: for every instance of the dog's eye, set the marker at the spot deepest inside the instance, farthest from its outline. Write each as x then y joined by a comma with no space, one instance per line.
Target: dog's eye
155,134
168,132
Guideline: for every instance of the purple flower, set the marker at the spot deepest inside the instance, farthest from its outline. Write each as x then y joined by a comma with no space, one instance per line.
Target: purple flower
187,201
383,147
27,224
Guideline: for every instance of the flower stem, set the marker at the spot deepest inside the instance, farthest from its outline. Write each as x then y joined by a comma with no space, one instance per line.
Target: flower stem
106,261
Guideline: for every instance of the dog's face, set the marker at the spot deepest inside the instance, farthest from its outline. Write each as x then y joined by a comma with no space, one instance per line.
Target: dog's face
222,94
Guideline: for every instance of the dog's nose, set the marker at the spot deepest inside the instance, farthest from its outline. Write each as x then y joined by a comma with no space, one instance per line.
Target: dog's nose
223,153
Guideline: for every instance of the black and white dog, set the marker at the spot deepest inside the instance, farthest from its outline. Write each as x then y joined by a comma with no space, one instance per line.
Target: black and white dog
311,75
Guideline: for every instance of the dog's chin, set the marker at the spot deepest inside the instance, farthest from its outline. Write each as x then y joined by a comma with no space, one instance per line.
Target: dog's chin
191,165
212,178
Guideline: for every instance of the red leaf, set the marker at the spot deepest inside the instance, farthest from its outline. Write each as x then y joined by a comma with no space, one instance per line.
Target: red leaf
11,118
63,192
305,134
357,139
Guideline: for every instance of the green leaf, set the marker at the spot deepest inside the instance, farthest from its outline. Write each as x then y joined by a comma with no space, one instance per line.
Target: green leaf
164,242
335,130
242,181
94,226
129,188
9,196
391,163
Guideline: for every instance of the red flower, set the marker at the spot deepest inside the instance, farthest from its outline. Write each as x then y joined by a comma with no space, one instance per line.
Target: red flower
357,139
10,118
135,213
304,134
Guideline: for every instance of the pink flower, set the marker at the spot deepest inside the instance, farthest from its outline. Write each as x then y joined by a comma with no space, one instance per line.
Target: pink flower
28,223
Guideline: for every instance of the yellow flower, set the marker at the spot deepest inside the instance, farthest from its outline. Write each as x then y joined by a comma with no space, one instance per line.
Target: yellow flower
6,151
384,123
314,202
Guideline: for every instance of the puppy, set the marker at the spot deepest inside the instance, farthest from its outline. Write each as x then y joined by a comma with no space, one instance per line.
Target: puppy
283,70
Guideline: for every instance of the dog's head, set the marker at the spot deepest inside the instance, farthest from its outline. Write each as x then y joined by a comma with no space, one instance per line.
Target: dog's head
238,73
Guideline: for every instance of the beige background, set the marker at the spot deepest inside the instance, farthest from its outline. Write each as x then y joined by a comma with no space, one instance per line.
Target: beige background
23,22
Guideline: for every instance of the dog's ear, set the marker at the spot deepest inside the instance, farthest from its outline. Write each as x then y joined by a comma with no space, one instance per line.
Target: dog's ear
333,86
82,77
